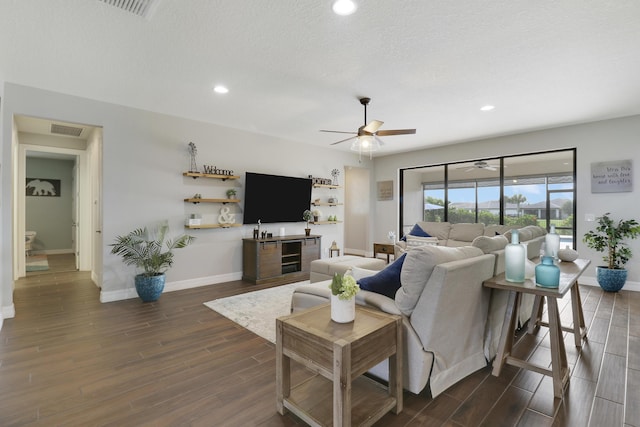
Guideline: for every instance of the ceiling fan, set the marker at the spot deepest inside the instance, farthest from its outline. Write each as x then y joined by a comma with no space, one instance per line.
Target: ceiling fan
367,135
480,165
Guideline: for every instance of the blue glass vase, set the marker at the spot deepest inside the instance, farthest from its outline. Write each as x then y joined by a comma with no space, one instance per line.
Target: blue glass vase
547,273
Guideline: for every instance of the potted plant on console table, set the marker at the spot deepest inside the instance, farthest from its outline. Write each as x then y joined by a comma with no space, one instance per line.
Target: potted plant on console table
307,216
608,238
144,250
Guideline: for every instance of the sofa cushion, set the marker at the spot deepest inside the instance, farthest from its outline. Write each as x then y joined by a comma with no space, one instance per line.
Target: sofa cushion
360,273
437,229
490,244
416,231
417,269
414,241
535,230
466,232
496,229
385,282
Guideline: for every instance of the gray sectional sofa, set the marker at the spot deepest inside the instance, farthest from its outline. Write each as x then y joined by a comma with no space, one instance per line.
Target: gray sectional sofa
451,322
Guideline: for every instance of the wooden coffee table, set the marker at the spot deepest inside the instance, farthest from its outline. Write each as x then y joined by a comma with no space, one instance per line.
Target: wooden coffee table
340,353
569,274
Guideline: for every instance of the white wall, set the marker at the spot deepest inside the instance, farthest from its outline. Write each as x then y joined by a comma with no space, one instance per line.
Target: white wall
144,155
607,140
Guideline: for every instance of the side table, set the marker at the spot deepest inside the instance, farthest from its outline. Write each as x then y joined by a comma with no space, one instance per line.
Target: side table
340,353
383,248
569,274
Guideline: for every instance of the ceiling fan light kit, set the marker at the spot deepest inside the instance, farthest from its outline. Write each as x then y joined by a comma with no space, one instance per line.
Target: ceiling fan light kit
366,138
344,7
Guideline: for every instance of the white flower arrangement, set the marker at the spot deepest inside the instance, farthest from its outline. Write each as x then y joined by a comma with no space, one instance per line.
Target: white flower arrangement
344,287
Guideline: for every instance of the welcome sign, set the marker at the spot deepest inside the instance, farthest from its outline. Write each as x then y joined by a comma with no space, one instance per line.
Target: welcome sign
612,177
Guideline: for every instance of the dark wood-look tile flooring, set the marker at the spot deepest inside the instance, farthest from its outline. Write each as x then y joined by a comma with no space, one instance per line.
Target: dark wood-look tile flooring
67,359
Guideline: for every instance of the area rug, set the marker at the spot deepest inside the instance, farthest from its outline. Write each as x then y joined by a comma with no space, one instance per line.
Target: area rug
258,310
37,263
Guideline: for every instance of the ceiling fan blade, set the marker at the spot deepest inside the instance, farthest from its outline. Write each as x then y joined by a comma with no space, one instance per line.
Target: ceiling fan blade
373,126
344,140
338,131
396,132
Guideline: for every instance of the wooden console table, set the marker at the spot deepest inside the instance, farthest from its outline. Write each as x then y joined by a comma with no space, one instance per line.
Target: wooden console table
569,273
279,259
340,353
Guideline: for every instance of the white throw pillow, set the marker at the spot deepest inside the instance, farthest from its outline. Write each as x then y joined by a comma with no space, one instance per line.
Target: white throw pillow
360,273
415,241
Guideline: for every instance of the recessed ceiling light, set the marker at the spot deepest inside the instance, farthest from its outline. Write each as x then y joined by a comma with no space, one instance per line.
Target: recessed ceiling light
344,7
220,89
487,108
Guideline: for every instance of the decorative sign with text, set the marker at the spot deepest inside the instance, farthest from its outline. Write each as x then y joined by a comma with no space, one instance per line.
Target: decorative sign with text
385,190
612,177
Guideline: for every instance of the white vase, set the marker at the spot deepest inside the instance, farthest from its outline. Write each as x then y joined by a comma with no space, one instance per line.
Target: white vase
552,243
514,256
343,311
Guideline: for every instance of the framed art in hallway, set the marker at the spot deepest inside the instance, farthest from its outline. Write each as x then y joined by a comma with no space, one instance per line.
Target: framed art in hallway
43,187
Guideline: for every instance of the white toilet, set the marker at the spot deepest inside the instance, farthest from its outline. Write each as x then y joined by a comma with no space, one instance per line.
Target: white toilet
30,236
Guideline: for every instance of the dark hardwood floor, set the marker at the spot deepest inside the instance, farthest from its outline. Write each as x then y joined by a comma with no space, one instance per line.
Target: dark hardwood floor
67,359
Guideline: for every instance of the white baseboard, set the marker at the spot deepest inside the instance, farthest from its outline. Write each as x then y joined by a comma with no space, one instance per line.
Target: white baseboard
7,312
53,252
128,293
359,252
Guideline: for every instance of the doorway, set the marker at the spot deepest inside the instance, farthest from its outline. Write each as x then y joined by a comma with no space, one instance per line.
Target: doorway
70,243
357,212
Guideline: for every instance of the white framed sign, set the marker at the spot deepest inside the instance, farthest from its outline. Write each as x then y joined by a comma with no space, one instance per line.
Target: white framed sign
612,177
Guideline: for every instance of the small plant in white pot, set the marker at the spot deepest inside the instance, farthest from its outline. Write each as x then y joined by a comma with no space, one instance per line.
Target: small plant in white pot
152,252
608,237
231,193
343,303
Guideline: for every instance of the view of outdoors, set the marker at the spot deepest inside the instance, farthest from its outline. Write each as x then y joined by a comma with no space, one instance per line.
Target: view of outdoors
541,193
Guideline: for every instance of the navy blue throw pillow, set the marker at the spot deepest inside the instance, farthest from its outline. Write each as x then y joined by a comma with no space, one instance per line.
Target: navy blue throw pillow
385,282
416,231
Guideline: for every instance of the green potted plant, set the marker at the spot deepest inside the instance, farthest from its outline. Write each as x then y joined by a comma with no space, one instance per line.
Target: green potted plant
152,252
231,193
608,237
307,215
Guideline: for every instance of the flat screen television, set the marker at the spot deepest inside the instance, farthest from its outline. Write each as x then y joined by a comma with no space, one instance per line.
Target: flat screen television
275,198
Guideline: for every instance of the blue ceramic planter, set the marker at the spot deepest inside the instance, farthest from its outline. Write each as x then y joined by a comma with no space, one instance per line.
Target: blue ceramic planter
149,287
611,280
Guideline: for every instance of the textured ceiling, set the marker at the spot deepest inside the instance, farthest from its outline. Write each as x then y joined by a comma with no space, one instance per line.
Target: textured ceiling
293,67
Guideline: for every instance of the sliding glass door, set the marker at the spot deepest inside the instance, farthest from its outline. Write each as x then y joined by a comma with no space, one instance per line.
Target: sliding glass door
516,190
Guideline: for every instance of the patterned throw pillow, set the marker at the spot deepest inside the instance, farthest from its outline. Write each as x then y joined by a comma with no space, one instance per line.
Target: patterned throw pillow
415,241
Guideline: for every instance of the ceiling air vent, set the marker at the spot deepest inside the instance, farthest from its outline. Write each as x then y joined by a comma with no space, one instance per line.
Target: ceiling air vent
142,8
65,130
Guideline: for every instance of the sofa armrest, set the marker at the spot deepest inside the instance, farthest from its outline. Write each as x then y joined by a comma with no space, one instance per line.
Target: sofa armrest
378,301
399,248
